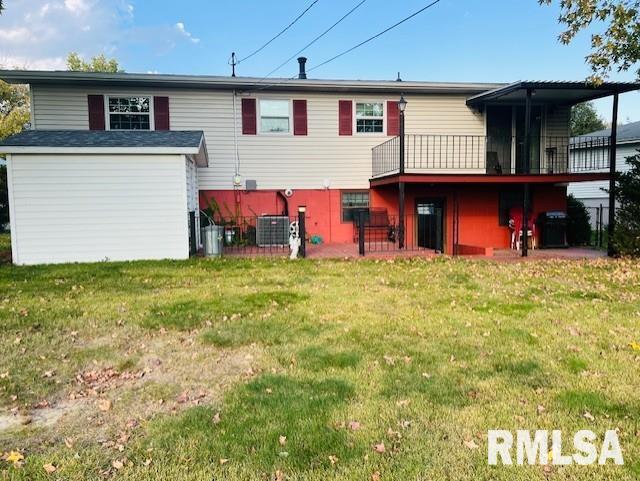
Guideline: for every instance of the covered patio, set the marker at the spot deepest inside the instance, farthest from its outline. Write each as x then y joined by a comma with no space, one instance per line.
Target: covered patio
527,147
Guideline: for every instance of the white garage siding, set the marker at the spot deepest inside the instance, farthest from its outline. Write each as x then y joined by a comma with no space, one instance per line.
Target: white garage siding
83,208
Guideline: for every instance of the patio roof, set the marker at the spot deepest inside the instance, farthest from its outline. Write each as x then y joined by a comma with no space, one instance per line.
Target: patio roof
550,92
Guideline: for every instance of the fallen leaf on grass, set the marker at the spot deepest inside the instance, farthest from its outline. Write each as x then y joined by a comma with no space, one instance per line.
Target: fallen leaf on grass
376,476
282,440
104,405
216,418
49,468
354,425
223,461
13,457
635,346
471,444
540,409
183,397
117,464
589,416
379,448
402,402
333,459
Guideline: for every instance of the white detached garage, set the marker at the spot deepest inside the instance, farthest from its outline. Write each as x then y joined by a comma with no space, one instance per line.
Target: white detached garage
83,196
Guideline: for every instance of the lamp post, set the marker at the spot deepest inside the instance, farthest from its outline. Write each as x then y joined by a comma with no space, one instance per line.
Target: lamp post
402,105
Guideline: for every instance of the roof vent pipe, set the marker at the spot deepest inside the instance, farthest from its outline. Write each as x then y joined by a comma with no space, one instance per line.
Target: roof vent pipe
302,61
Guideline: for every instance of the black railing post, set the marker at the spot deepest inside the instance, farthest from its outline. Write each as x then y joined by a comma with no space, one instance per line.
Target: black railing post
612,176
302,230
600,227
361,217
192,233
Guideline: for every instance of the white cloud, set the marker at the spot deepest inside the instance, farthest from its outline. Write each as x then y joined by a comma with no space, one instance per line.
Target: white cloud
76,6
50,63
183,31
39,34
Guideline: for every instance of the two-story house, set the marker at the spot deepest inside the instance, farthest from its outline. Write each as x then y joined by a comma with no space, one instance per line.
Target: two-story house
86,183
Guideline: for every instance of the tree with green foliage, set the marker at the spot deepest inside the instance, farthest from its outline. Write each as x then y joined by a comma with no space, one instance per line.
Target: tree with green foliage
14,108
99,63
626,235
585,119
14,117
616,45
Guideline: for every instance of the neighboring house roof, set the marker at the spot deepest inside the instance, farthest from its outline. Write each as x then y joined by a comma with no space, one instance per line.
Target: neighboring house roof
626,133
239,83
190,142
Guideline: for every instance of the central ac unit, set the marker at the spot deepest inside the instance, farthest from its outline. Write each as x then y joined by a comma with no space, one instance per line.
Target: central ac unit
272,230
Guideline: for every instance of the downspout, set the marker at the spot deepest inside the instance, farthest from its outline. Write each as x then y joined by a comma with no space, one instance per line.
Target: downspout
236,175
235,138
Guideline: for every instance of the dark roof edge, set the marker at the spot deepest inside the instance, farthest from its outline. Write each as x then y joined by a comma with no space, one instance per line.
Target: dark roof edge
606,88
238,83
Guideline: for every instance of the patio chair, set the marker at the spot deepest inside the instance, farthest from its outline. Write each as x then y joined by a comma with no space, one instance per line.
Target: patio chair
515,224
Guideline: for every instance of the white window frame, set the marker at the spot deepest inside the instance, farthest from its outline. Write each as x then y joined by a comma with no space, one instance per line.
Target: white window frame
384,116
107,114
259,116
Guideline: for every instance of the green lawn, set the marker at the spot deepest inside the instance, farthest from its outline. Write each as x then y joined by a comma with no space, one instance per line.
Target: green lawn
200,369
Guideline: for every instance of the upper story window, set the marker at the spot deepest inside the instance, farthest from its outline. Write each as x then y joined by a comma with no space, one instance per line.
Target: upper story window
369,117
129,113
274,116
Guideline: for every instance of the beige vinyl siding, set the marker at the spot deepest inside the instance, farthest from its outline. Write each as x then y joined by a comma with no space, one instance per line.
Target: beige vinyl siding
275,161
557,121
84,208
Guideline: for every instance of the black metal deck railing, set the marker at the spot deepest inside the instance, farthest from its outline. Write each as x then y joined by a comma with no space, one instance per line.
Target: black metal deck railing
491,155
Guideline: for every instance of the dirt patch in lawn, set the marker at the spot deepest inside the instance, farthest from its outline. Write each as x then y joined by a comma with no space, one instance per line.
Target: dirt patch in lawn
165,374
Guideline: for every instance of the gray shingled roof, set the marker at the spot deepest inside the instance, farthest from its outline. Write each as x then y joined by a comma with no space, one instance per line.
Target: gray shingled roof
105,138
626,132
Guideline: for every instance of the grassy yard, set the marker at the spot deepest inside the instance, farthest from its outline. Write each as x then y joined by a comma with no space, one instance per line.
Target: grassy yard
276,370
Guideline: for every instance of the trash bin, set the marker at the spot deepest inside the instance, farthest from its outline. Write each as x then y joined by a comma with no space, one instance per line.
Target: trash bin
212,238
553,225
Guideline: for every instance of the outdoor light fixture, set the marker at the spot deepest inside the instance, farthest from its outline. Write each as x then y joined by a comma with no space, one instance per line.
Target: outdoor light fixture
402,103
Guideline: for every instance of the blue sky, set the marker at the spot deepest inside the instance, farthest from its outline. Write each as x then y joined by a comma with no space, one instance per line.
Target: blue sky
457,40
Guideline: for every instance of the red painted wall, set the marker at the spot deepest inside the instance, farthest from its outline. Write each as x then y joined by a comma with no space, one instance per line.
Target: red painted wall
478,209
323,215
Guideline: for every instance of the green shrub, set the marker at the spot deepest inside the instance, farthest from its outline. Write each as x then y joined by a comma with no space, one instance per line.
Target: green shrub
579,228
626,235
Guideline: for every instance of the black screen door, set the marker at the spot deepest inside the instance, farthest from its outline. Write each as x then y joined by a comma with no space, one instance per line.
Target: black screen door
430,224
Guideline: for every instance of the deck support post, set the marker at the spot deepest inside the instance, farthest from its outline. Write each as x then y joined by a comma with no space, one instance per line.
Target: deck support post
612,176
401,215
401,183
527,163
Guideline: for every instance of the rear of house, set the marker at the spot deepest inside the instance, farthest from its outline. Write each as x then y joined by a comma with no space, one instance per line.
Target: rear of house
330,146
